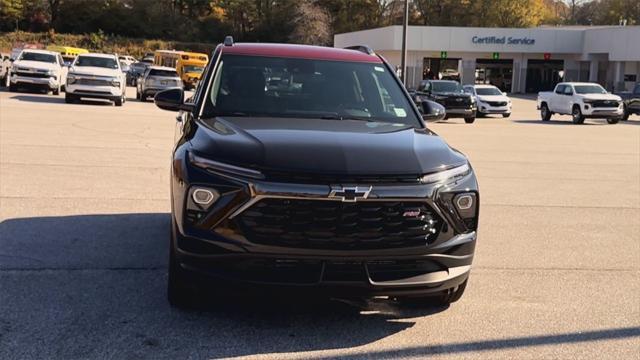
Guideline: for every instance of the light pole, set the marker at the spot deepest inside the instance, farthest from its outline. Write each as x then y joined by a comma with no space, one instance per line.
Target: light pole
403,59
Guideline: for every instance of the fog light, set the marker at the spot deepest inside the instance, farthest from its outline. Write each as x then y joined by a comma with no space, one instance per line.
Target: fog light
203,196
464,202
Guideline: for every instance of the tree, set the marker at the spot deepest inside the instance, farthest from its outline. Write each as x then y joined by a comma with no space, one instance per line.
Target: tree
10,14
311,24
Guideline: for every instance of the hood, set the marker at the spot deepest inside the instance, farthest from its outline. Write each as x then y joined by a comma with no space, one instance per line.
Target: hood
601,97
342,147
493,98
40,65
449,93
95,71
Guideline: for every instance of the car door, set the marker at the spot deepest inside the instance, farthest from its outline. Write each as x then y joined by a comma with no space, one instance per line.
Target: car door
567,104
555,103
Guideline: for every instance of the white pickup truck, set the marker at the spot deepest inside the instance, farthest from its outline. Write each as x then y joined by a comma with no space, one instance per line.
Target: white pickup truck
40,69
580,100
96,76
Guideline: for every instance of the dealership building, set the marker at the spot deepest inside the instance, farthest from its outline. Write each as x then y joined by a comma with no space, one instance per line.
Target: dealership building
516,60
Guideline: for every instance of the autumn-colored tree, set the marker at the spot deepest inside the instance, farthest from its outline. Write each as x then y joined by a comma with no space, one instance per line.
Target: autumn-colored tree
311,24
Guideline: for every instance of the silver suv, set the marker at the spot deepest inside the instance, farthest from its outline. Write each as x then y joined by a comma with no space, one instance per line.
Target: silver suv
156,79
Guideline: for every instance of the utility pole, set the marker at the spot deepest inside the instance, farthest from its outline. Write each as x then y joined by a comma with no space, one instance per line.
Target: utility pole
403,60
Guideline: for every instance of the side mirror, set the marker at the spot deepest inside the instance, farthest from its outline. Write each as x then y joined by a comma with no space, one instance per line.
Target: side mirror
172,100
431,111
504,93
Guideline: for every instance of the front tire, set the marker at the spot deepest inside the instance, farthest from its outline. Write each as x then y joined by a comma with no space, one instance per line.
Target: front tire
506,115
56,91
120,101
626,114
469,120
576,115
70,99
613,120
545,113
180,292
13,88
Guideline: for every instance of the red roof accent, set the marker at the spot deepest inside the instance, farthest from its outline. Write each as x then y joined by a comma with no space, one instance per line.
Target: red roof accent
300,51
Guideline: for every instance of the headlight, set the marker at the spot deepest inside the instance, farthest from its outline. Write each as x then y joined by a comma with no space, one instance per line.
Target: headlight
445,175
439,97
71,79
587,101
222,168
51,72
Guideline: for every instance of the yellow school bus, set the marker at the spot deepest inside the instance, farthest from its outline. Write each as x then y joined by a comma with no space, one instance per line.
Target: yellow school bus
68,53
189,65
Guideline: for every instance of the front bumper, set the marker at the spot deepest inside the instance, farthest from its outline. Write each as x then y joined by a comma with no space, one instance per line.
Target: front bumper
154,90
600,112
211,246
485,108
96,92
47,82
467,112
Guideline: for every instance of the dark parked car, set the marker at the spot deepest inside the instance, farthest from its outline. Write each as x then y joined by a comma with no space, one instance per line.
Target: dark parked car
330,182
631,102
451,95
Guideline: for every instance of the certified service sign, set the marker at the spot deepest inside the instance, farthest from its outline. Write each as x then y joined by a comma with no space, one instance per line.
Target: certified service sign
503,40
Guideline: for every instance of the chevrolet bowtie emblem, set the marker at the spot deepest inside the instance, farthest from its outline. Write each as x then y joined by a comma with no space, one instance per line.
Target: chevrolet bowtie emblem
349,194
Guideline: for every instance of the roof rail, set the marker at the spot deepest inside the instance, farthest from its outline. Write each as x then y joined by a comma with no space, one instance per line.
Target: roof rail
228,40
362,48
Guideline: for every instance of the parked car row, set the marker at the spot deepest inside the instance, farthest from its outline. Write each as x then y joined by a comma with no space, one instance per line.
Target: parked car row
89,75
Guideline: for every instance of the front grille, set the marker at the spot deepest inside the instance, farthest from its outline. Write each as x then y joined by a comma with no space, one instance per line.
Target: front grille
93,82
32,75
318,224
309,178
497,103
605,103
457,102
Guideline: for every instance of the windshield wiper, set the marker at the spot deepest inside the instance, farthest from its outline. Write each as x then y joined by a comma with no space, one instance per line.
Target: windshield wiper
347,117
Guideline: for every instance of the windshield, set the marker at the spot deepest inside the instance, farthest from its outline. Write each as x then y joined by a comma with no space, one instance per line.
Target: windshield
488,91
589,89
166,73
95,61
446,86
192,69
304,88
33,56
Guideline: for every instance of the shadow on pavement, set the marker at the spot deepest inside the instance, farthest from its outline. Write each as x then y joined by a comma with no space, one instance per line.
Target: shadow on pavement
559,122
93,286
57,100
499,344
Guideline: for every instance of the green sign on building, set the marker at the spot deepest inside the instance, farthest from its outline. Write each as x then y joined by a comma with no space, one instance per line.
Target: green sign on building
443,54
495,56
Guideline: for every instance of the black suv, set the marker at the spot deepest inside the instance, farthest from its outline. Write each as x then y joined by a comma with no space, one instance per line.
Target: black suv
631,102
310,168
449,94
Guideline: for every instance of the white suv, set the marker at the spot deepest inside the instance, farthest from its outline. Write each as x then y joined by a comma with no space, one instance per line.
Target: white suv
489,100
96,76
38,69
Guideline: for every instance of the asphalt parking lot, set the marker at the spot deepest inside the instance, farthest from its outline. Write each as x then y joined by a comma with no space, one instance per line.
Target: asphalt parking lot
84,211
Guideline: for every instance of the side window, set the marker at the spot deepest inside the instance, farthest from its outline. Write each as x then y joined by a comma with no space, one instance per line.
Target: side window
568,90
560,89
